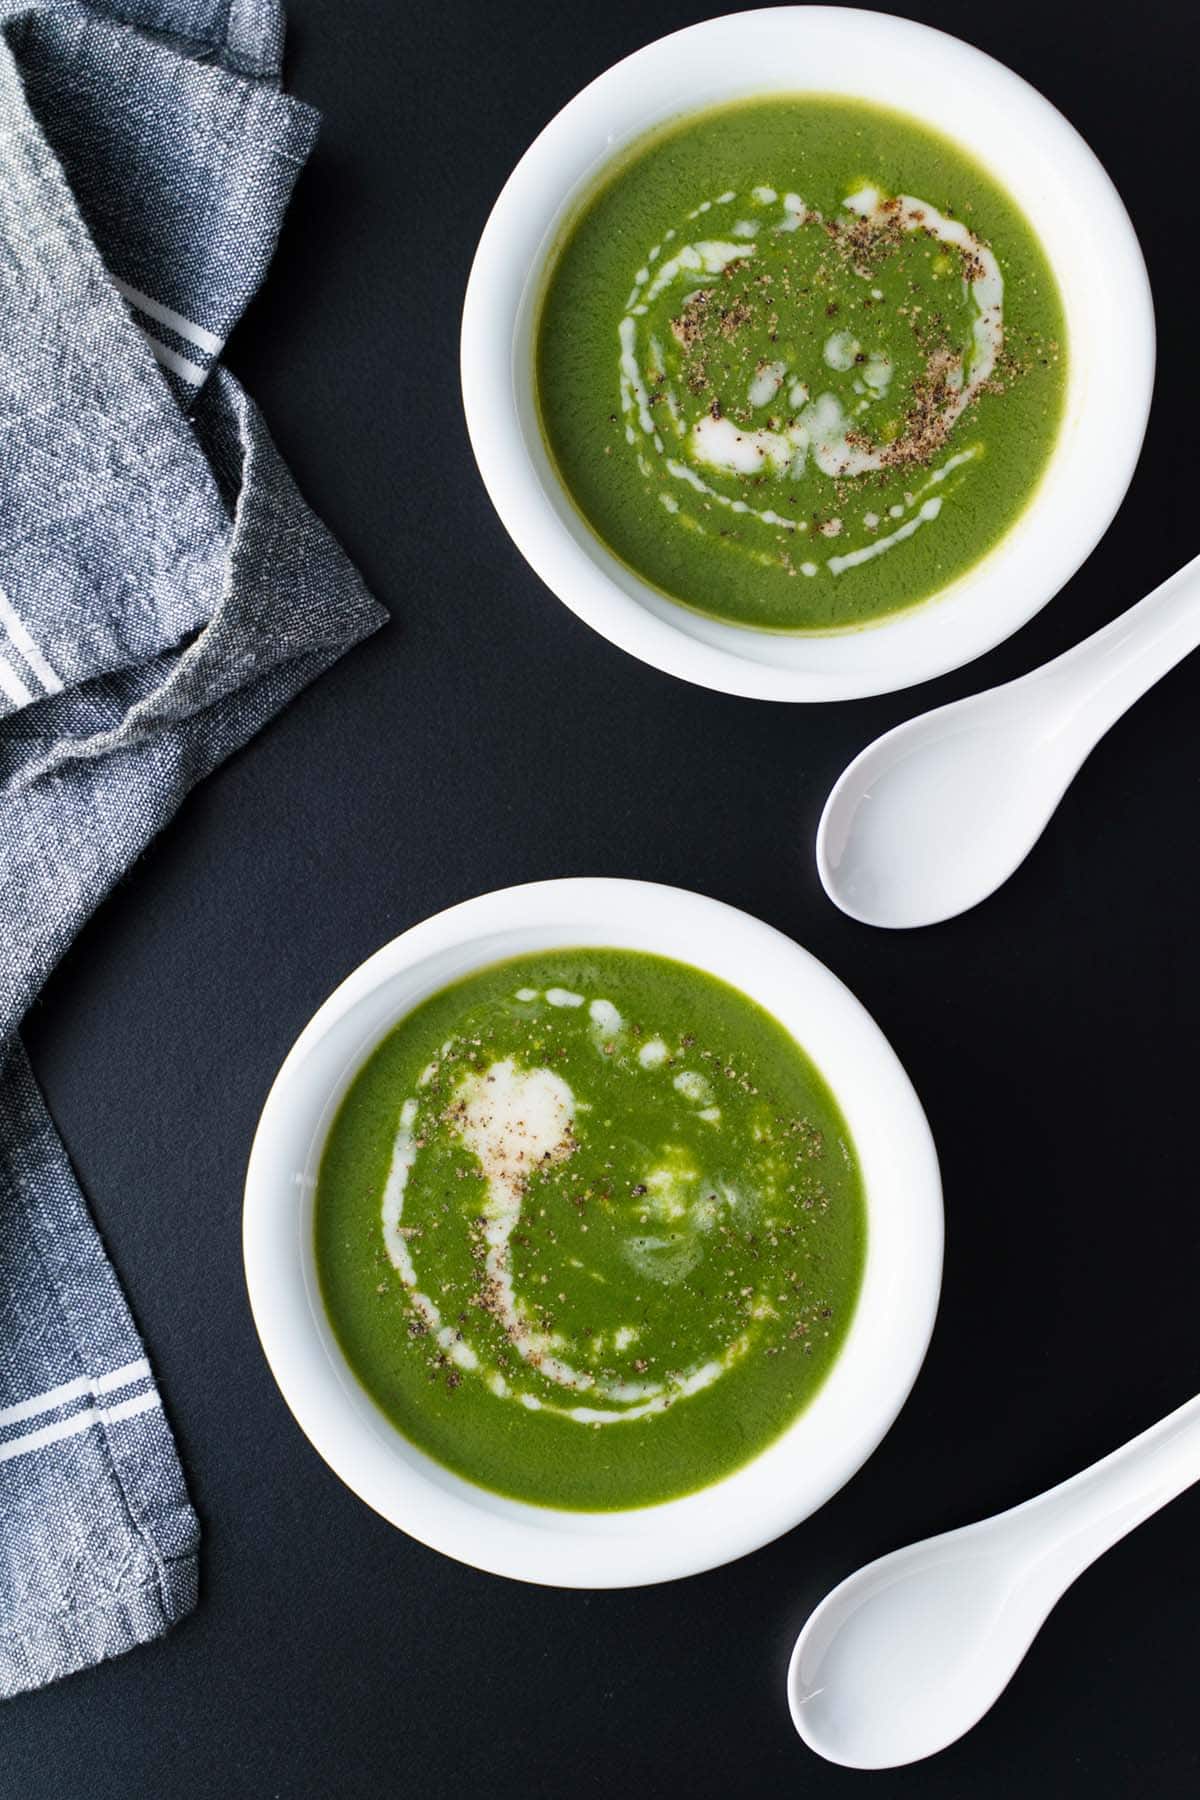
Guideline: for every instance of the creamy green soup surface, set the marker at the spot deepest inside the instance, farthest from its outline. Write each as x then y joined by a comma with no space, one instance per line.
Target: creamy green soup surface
590,1228
799,361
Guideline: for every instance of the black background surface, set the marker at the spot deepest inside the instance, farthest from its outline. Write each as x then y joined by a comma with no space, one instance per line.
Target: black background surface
487,737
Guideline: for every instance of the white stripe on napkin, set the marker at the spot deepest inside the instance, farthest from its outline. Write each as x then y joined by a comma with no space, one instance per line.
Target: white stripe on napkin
25,646
171,359
166,315
67,1391
78,1422
12,685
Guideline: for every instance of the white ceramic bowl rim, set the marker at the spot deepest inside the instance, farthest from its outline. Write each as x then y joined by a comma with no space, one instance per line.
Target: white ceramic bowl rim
1036,155
851,1411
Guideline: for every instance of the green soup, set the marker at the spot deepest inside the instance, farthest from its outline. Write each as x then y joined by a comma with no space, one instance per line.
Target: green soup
590,1228
800,362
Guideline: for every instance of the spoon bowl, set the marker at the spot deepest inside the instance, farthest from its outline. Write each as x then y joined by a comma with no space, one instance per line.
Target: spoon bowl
932,818
936,815
947,1621
907,1654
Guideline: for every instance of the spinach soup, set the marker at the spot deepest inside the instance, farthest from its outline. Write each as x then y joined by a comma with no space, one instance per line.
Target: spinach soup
799,362
590,1228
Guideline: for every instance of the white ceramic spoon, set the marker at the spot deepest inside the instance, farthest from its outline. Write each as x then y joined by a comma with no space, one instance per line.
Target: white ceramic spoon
910,1652
934,816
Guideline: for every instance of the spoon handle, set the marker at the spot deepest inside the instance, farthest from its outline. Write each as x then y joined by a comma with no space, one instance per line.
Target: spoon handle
1108,671
1071,1525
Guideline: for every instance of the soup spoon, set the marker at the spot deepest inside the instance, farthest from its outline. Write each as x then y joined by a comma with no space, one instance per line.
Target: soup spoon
909,1653
932,817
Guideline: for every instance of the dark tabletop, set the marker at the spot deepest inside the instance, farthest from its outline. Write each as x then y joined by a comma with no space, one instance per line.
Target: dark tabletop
487,737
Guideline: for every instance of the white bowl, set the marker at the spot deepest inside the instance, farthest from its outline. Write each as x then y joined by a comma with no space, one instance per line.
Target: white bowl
1034,154
869,1380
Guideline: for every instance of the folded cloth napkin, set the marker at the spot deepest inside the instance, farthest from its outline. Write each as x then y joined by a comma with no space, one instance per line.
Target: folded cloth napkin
163,591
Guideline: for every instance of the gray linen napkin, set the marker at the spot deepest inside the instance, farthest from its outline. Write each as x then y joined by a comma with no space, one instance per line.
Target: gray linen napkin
163,591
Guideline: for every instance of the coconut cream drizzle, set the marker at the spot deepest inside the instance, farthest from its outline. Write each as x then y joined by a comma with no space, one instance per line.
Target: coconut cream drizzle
516,1122
820,431
853,558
